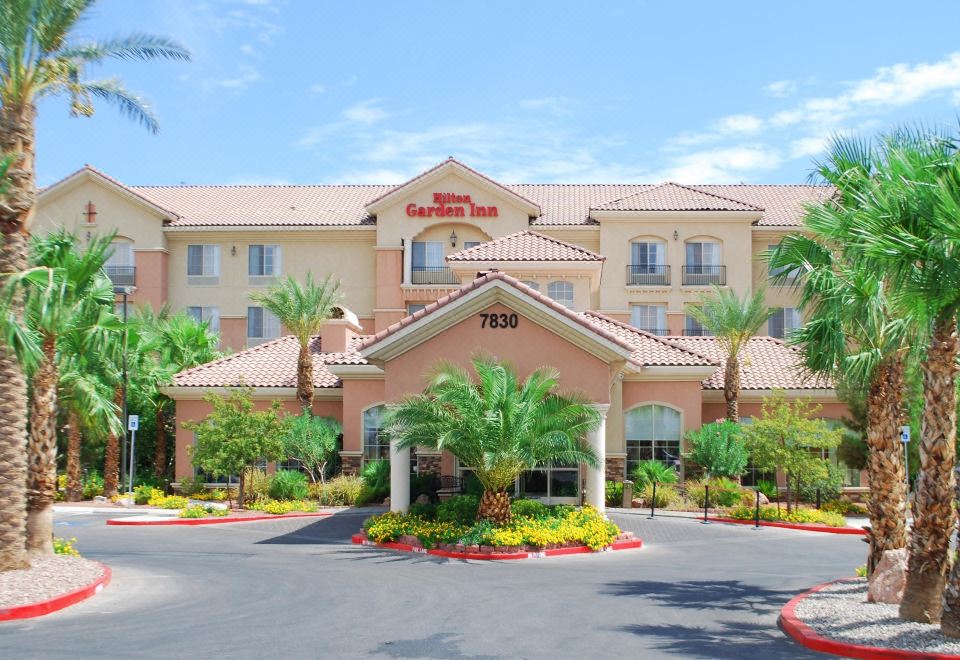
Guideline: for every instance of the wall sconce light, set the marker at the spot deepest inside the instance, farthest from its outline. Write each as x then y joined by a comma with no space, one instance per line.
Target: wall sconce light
676,235
453,238
233,251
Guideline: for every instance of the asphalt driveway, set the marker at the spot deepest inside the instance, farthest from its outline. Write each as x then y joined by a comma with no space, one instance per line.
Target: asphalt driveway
298,588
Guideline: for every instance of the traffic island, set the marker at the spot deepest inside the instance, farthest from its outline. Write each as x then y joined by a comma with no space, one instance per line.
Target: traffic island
50,584
836,618
233,517
803,527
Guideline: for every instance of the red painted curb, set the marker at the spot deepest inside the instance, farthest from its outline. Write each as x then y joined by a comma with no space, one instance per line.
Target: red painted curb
806,528
212,521
59,602
808,637
357,539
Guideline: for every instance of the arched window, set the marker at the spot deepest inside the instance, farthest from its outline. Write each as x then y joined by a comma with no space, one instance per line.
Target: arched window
533,285
562,292
652,432
648,263
120,266
704,264
375,443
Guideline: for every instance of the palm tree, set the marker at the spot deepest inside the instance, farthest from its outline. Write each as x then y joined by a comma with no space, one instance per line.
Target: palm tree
853,335
37,60
302,310
908,226
733,321
498,426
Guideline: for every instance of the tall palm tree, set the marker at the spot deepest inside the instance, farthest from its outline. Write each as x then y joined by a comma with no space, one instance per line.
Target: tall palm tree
733,321
63,286
498,426
302,310
852,334
908,227
39,59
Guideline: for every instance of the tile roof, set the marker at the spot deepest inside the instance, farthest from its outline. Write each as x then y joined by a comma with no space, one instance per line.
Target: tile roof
675,197
765,364
270,364
525,246
782,204
90,169
649,350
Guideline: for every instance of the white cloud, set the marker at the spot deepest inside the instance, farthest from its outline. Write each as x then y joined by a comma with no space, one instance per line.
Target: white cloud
317,89
246,76
781,88
722,165
739,124
247,49
809,146
365,112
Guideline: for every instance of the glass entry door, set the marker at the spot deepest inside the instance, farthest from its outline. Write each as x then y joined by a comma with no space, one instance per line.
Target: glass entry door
550,485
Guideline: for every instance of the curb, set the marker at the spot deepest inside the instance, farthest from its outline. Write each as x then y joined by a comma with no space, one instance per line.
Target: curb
808,637
127,522
823,529
634,544
58,602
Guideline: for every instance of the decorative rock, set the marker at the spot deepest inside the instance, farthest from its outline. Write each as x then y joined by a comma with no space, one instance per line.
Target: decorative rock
99,499
473,548
423,498
637,503
764,500
386,502
889,578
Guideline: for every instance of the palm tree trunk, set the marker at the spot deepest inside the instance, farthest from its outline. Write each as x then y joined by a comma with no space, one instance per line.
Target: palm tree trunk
74,486
16,207
111,458
160,449
495,507
13,434
305,378
42,454
888,493
933,516
731,388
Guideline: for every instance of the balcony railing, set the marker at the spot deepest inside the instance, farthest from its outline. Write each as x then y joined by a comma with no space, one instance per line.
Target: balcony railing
121,275
648,275
432,275
704,275
696,332
660,332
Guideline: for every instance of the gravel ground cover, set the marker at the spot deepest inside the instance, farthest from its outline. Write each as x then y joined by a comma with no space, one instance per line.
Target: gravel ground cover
46,578
841,612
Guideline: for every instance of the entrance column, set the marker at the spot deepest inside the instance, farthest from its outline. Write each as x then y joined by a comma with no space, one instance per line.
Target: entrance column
399,478
407,260
597,439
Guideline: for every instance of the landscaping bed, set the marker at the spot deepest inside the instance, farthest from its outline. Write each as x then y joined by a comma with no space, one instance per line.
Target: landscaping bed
50,584
836,618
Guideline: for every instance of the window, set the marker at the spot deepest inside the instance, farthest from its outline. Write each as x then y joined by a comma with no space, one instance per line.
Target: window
647,263
413,308
703,264
652,432
562,292
261,326
532,285
791,276
208,315
427,264
783,321
470,244
693,328
652,318
119,266
264,263
291,464
375,443
203,264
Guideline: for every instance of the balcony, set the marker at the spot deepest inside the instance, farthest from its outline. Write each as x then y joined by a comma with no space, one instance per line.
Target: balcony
121,275
704,275
696,332
648,275
434,275
660,332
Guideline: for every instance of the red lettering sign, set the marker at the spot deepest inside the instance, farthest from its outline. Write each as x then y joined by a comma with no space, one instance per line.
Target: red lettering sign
452,205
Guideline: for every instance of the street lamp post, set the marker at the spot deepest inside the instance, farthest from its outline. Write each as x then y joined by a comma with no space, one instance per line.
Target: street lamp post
124,291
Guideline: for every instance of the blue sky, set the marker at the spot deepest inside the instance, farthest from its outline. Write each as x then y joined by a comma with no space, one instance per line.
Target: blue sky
310,91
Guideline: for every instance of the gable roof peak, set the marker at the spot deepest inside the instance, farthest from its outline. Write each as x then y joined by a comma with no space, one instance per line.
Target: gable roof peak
672,196
525,245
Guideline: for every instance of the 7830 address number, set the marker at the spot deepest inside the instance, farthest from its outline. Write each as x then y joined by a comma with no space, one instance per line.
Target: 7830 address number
498,321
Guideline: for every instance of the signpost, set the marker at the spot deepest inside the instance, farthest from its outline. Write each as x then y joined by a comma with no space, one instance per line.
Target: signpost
133,423
905,439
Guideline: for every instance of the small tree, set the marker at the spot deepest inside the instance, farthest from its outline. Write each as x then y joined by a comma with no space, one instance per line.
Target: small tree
312,442
717,447
232,438
786,438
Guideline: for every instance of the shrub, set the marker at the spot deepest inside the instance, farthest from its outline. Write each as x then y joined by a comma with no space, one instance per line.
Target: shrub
845,508
92,485
158,499
278,507
215,495
201,511
650,471
423,484
830,485
461,510
614,493
717,448
143,494
288,485
425,511
768,488
723,492
666,495
65,547
343,490
257,484
376,477
192,486
798,516
529,509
